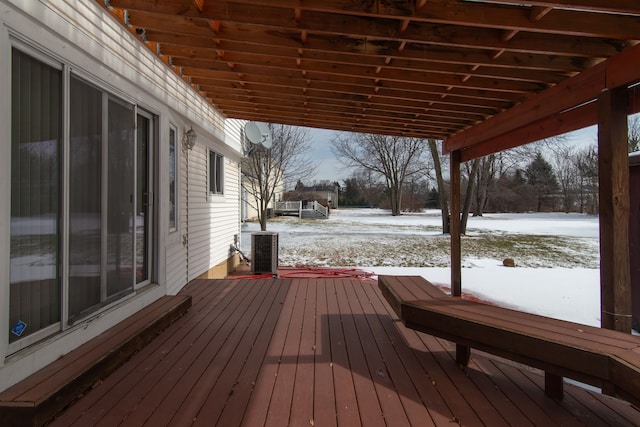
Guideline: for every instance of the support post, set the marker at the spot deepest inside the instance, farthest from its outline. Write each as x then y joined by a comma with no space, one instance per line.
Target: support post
613,170
463,352
553,386
454,226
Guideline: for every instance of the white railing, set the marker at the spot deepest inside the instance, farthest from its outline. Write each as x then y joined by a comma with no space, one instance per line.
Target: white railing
289,206
320,208
296,206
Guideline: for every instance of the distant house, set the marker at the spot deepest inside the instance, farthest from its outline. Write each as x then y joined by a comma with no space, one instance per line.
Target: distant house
325,192
105,207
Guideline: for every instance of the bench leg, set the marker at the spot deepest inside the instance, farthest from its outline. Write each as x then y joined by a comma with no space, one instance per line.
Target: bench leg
553,386
463,354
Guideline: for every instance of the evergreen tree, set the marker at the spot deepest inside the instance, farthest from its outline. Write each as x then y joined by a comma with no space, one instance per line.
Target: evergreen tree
542,180
433,199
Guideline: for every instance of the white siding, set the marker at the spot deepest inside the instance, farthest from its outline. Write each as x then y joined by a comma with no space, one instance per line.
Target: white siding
213,219
176,254
88,39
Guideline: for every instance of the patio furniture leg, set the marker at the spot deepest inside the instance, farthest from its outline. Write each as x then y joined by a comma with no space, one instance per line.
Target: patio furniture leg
463,354
553,386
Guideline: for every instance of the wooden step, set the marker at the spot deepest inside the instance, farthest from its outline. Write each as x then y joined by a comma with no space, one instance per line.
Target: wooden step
39,397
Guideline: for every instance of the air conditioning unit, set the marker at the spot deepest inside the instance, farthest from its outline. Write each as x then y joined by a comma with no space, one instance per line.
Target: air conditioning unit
264,252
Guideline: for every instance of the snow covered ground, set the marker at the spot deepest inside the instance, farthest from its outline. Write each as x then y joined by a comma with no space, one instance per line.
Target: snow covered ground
557,259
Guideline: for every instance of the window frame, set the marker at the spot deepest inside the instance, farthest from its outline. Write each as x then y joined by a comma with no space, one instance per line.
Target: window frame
215,173
176,181
57,326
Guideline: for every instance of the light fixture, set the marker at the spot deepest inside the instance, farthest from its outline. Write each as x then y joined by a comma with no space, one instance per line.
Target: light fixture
189,139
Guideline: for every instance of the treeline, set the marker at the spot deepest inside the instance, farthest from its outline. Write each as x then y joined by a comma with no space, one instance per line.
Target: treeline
544,177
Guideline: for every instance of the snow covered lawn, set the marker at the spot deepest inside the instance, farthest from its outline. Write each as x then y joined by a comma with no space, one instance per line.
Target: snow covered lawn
557,256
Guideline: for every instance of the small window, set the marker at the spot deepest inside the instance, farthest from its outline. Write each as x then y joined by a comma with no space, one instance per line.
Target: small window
216,173
172,180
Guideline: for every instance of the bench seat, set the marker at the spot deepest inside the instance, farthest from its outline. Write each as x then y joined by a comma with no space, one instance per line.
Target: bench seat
39,397
604,358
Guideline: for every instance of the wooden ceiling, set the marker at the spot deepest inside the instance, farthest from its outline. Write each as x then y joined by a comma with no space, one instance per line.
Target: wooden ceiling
424,68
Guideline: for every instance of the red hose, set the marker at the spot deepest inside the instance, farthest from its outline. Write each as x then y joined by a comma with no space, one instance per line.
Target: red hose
313,273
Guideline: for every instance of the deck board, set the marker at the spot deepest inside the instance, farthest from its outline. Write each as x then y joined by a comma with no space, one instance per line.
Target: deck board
433,401
344,384
325,411
370,408
327,352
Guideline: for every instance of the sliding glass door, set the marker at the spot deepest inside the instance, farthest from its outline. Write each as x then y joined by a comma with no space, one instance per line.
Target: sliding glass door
81,205
85,200
101,197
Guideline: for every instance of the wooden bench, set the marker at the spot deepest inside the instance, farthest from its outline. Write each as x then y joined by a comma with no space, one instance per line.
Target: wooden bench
39,397
600,357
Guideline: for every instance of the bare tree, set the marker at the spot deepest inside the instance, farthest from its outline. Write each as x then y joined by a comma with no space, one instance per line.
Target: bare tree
486,175
442,191
634,133
566,170
472,174
587,161
395,159
267,170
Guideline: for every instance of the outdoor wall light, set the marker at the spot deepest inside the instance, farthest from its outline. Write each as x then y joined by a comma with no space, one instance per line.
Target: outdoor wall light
189,139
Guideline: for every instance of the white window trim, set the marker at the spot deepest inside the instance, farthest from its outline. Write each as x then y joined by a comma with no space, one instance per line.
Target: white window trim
176,150
214,194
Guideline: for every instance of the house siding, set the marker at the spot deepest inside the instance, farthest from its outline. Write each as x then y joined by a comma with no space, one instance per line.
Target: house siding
84,36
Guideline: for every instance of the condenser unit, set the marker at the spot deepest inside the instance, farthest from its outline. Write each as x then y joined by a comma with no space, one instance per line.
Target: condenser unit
264,252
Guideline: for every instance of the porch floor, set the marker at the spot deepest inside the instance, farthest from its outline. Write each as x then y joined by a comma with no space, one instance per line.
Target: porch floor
320,352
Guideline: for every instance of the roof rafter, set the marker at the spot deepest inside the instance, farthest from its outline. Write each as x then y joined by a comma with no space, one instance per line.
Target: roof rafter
434,68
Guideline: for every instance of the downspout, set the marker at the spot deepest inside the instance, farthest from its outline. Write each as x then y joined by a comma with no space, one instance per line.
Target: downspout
185,236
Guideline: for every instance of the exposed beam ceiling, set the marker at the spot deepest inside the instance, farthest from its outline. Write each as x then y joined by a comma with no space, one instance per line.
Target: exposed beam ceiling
425,68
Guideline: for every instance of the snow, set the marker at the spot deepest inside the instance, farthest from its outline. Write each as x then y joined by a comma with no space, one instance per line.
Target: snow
560,291
571,294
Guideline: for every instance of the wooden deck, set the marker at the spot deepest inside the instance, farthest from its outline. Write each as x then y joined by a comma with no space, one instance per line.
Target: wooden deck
320,352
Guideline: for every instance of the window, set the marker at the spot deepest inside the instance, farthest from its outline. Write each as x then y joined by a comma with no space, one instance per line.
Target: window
216,173
172,180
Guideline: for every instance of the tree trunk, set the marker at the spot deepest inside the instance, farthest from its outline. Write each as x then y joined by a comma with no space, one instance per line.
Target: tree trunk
482,184
263,211
394,197
444,205
469,195
263,221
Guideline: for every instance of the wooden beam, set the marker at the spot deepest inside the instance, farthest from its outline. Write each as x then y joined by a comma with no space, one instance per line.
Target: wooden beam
241,51
568,121
559,41
577,90
616,6
481,15
237,38
613,170
500,88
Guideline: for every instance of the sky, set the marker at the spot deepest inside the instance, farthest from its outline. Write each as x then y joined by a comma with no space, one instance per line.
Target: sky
327,167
